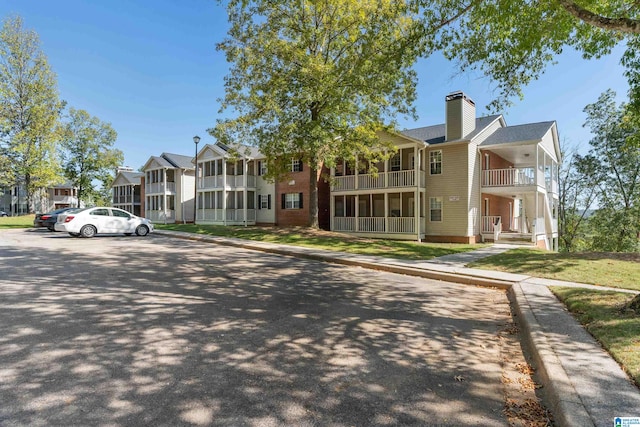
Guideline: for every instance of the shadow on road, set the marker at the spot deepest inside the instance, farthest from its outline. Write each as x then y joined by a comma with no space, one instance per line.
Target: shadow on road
130,331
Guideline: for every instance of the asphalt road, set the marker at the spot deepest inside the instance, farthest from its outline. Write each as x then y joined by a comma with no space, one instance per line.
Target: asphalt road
157,331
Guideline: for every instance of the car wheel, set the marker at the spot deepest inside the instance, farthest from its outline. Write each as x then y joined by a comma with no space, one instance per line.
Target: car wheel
142,230
88,231
74,234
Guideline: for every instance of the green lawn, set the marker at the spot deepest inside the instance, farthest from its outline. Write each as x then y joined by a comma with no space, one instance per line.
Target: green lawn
22,221
327,240
618,270
604,316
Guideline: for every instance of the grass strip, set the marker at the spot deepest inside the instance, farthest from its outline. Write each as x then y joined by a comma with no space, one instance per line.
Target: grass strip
22,221
301,236
616,270
603,314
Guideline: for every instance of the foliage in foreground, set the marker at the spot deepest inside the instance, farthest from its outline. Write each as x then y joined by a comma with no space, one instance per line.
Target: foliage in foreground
604,315
585,267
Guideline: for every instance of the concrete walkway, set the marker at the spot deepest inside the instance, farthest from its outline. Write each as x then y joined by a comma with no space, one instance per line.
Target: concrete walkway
583,385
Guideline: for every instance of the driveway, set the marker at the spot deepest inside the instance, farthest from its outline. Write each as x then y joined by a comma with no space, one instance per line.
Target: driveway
157,331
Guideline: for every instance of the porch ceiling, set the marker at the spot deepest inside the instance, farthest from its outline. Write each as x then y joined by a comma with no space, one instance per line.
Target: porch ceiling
519,155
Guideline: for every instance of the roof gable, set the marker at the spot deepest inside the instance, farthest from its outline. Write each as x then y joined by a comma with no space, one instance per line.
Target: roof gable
518,133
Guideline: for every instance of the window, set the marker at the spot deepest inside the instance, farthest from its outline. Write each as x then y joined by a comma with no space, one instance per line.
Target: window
296,165
394,163
435,162
292,201
119,213
262,167
435,209
264,201
100,212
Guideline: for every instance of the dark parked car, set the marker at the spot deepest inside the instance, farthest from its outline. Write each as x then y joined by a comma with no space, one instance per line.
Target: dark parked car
49,219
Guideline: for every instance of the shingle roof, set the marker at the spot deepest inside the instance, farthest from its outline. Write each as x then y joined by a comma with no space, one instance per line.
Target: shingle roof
526,132
132,177
436,134
245,150
178,160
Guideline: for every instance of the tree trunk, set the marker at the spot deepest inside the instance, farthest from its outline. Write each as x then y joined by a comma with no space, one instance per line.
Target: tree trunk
634,304
313,195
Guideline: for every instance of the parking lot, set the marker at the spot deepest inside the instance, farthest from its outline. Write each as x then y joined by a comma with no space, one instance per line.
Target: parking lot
167,332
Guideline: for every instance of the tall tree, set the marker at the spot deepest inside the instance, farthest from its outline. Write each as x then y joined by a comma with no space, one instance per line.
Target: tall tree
317,79
88,153
513,41
577,197
29,109
615,167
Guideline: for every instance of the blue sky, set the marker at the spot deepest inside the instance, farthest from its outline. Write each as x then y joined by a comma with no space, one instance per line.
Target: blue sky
150,68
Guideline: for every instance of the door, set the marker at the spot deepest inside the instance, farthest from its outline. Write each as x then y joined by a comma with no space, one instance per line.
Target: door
121,222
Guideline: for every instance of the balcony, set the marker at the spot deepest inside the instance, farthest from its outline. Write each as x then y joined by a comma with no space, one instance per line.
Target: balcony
389,225
126,199
232,181
395,179
230,216
511,177
160,187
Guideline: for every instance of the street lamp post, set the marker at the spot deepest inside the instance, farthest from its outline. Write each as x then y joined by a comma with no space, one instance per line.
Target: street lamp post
196,139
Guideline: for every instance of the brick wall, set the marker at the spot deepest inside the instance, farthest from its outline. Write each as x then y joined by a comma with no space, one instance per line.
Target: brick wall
298,183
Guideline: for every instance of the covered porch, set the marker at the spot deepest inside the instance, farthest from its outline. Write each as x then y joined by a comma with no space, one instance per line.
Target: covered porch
519,193
391,215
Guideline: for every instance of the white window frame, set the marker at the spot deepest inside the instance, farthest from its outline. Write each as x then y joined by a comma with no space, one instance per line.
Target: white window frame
435,158
295,165
292,201
395,163
435,204
264,201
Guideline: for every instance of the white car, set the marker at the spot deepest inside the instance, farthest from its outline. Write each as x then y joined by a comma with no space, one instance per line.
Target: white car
102,220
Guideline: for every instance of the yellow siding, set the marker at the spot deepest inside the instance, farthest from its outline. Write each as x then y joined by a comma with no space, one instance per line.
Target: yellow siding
452,185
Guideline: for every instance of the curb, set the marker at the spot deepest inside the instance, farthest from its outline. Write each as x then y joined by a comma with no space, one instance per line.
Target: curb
559,393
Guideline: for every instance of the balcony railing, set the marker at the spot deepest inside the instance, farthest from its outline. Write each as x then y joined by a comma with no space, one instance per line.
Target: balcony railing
230,215
511,177
398,225
489,222
160,187
405,178
126,199
232,181
160,216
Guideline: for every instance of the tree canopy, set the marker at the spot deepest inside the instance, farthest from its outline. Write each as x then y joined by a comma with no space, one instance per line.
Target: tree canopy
87,152
317,80
513,41
615,168
29,110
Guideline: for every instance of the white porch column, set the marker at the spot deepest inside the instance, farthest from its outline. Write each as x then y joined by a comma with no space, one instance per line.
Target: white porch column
164,194
245,194
224,191
416,197
332,206
357,210
386,212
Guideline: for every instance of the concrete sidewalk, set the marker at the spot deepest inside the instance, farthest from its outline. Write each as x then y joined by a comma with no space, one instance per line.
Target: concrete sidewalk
583,385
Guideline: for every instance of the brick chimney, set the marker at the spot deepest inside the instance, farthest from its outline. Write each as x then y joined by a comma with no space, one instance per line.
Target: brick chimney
460,116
